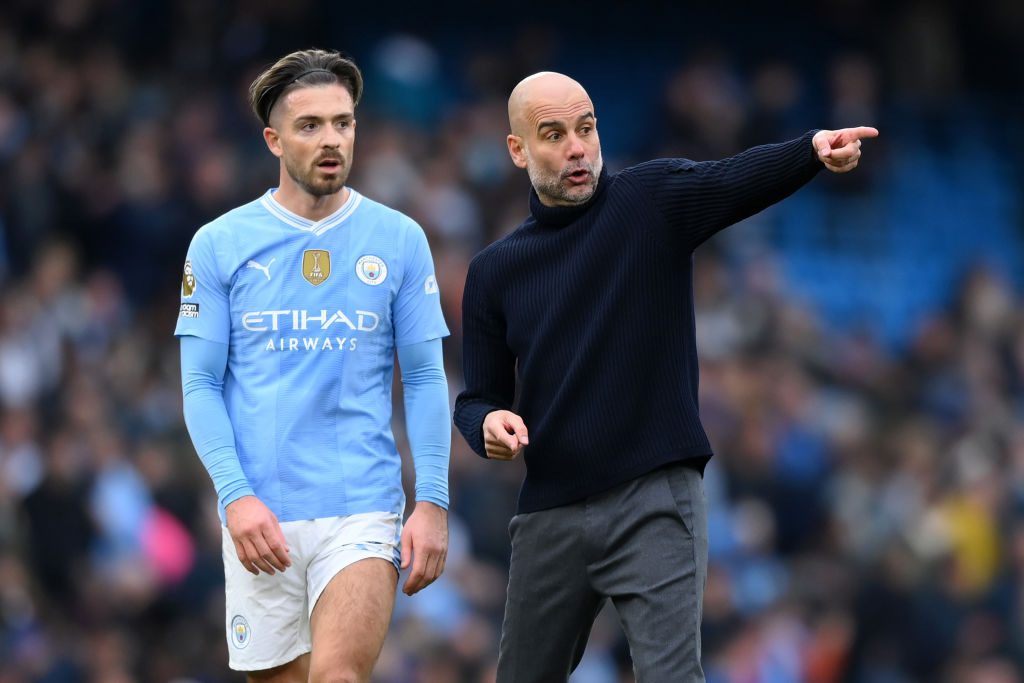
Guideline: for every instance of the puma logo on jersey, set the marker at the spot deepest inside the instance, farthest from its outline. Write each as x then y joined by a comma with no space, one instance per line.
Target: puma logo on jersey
257,266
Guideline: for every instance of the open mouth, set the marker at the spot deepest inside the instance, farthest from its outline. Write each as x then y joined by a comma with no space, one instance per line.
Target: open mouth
578,177
329,165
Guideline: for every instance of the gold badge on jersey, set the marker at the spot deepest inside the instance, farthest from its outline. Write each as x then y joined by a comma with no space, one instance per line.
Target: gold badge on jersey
316,266
188,281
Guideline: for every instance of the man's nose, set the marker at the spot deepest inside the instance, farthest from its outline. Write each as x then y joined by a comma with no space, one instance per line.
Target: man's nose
576,149
331,137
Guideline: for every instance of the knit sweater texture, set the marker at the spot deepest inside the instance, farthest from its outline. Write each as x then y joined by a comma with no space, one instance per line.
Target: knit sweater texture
582,319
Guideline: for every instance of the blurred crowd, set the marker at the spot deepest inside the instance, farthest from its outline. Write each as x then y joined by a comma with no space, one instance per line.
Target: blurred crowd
866,499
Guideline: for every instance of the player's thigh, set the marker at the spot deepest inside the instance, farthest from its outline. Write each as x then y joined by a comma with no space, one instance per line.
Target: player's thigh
350,620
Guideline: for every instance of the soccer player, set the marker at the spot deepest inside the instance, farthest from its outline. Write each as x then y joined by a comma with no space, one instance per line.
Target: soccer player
588,305
292,309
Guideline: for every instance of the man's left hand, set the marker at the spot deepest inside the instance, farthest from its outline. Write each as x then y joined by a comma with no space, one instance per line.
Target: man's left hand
424,546
839,150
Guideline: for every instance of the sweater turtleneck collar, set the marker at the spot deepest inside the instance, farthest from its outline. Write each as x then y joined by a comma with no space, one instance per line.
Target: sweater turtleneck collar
560,216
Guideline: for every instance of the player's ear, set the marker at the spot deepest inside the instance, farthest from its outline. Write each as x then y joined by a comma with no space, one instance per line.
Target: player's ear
273,141
516,151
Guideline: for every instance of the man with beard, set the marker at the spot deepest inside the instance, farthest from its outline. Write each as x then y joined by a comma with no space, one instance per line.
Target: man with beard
586,312
292,309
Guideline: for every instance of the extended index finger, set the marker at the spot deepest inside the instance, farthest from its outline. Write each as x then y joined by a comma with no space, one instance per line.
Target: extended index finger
862,132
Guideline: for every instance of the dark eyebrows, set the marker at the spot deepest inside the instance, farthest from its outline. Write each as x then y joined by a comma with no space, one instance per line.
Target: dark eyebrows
306,118
554,124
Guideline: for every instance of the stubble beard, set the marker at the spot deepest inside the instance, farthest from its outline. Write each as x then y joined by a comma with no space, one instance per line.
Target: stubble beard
551,185
314,186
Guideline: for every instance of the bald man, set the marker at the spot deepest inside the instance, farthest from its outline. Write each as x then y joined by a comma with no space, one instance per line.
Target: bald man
588,305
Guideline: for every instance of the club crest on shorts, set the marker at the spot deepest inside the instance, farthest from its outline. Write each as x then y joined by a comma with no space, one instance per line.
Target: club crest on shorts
188,281
241,634
316,266
371,269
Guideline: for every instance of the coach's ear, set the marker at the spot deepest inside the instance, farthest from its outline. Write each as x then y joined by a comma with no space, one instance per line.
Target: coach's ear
516,150
273,141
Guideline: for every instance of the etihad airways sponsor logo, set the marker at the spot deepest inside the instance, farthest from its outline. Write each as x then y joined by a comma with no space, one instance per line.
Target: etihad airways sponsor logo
311,344
274,321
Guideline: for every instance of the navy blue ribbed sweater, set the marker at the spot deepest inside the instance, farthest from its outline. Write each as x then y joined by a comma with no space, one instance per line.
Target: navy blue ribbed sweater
592,306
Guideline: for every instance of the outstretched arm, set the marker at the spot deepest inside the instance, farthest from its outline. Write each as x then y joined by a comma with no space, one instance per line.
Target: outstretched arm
699,198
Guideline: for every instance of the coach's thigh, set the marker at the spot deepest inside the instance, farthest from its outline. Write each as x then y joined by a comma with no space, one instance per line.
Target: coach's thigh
656,578
551,605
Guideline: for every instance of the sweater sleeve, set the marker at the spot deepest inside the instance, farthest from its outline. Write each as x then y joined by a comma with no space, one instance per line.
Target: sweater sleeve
488,364
699,198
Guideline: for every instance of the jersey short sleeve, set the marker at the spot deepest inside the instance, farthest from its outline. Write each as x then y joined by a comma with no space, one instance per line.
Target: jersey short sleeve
417,307
204,310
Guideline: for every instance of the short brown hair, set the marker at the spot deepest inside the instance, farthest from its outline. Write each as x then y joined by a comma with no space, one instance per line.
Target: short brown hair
303,68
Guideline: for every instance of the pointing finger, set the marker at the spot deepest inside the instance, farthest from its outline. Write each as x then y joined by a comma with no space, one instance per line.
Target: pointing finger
862,132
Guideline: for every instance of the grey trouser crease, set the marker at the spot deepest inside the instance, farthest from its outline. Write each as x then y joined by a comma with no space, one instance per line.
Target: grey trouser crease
644,546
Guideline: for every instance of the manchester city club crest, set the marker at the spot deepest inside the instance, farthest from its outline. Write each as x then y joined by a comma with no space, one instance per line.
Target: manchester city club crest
241,634
316,266
188,281
371,269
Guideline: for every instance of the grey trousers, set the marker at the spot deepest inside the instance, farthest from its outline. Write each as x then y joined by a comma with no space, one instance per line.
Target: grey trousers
644,546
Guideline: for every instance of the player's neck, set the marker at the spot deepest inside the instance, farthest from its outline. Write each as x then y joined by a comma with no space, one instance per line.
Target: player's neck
298,201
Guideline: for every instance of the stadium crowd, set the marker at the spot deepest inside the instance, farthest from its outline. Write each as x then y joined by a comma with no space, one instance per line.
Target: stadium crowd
866,501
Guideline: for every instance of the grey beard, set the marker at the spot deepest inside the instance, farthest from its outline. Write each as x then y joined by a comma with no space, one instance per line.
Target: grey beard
551,185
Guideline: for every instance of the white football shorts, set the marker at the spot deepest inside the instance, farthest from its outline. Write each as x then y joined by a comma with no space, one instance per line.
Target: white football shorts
268,615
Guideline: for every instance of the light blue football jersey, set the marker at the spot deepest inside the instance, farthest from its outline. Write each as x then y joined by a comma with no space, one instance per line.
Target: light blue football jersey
312,312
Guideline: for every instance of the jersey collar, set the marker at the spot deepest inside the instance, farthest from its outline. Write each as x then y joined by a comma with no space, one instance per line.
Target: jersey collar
319,227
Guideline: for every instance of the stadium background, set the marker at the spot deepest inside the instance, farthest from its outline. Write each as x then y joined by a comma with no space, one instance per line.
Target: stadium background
862,343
